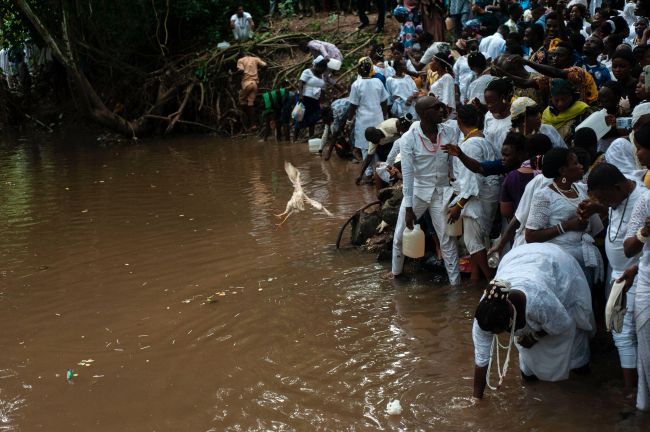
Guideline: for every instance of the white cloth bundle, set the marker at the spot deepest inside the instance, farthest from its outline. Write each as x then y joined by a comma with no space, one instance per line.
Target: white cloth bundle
615,309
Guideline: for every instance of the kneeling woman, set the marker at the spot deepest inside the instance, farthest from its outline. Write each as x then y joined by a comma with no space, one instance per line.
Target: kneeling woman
542,299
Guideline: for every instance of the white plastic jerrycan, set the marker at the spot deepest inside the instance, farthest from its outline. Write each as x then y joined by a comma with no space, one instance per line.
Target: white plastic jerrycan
413,242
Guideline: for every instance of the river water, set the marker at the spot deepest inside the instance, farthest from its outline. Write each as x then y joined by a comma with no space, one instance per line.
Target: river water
160,263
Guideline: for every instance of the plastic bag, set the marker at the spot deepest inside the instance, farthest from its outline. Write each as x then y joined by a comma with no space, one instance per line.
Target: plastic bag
298,112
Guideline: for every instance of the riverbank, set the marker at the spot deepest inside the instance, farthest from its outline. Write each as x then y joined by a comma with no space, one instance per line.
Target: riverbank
202,91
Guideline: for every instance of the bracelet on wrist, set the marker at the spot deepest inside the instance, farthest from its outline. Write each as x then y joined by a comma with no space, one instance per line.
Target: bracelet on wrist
640,237
459,204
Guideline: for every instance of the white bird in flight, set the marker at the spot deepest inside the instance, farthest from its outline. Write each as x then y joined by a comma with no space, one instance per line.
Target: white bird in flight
299,198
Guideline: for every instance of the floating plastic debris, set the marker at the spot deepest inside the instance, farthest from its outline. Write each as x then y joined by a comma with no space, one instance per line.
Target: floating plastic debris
69,374
394,408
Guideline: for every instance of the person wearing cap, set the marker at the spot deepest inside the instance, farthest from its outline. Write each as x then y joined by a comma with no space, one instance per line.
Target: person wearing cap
242,25
426,173
386,133
248,65
526,118
310,86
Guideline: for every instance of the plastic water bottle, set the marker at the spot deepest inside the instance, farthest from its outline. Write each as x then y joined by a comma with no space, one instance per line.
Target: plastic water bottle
493,260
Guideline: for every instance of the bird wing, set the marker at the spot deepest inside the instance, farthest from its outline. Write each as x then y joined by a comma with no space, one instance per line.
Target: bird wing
318,206
294,175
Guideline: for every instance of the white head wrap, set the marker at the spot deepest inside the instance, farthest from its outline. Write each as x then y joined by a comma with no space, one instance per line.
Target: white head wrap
639,111
575,2
519,105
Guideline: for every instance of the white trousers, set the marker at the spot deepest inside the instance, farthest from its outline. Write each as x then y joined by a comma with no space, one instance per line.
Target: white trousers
437,209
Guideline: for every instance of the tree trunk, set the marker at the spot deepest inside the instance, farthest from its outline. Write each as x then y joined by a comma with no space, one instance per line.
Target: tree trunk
90,102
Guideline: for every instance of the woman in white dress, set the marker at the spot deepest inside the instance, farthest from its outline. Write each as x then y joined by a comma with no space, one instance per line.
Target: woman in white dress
553,218
477,196
310,87
444,88
367,98
498,95
541,297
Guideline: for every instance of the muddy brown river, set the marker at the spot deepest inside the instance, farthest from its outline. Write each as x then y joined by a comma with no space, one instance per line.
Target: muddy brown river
155,272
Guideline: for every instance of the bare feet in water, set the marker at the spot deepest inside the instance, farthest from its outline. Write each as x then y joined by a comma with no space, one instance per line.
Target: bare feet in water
390,276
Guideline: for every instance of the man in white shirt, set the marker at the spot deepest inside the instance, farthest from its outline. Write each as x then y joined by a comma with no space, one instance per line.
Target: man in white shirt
426,173
492,46
617,196
242,25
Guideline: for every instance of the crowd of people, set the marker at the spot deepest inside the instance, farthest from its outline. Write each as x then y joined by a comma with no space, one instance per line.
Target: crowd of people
532,128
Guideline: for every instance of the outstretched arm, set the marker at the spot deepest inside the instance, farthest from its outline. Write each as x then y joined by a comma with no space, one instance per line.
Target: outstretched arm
471,164
547,70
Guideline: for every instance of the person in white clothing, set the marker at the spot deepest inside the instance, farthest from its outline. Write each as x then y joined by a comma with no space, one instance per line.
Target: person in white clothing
463,72
242,25
541,298
368,98
444,88
492,46
498,95
480,79
617,195
402,90
526,118
636,241
425,172
477,195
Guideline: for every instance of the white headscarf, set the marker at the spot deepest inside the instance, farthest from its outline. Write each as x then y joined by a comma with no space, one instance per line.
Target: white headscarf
639,111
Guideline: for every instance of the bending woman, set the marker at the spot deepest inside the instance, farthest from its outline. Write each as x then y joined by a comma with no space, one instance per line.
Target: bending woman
540,297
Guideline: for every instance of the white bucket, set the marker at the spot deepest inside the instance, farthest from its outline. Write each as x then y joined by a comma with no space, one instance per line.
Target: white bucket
314,145
596,122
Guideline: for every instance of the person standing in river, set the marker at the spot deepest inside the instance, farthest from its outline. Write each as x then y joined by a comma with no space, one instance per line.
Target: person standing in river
426,173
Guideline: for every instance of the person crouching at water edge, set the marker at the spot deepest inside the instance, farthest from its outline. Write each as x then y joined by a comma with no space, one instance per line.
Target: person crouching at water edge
541,300
425,172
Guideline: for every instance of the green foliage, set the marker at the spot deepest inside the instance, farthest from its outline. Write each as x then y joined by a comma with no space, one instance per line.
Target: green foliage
286,8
